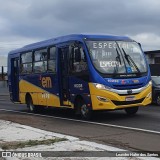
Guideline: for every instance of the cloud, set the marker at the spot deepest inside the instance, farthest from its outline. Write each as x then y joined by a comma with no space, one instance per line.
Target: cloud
150,41
27,21
14,42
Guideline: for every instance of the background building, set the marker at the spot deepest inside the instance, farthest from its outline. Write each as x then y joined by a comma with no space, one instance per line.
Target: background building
153,57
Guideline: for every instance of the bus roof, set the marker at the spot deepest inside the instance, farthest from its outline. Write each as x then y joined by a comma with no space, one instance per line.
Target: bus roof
66,38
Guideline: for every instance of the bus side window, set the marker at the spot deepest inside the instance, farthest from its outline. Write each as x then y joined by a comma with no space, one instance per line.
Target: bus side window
26,62
52,60
16,67
40,61
77,60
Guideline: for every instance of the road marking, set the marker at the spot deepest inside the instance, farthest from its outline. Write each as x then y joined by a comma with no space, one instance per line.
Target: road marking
89,122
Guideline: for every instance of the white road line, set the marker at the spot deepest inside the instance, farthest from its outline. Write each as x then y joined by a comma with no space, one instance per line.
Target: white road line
89,122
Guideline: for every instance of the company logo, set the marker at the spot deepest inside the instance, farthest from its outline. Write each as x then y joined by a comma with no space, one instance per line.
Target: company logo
46,82
129,91
135,81
6,154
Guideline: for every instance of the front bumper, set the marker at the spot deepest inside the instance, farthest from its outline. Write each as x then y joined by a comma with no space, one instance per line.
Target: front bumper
107,100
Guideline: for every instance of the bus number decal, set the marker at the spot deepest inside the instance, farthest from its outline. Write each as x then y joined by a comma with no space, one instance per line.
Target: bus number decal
78,85
45,95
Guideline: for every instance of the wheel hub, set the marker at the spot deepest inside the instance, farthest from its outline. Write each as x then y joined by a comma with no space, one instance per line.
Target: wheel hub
84,110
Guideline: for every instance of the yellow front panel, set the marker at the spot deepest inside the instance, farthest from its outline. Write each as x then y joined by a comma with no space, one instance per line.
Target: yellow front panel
100,105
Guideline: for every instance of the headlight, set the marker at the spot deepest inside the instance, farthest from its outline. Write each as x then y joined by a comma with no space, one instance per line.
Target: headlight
101,86
149,84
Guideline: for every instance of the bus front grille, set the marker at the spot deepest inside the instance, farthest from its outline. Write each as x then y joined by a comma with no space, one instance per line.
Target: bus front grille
119,103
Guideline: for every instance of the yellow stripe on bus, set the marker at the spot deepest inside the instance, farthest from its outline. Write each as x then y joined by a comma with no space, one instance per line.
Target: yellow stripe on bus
39,95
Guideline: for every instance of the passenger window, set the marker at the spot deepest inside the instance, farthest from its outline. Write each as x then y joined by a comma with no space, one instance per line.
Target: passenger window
26,57
26,63
40,61
52,59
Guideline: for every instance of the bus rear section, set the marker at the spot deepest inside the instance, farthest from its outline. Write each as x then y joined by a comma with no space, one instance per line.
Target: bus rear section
13,77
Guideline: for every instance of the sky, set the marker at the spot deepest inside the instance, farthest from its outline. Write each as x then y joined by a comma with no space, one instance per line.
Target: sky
26,21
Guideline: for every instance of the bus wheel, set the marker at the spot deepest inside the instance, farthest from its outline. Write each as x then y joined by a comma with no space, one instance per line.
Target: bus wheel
132,110
30,105
158,100
85,111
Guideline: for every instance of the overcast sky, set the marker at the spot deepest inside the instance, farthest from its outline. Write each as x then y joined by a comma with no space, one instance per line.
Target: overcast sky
26,21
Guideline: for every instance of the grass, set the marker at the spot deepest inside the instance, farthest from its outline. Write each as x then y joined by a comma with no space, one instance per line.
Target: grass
30,143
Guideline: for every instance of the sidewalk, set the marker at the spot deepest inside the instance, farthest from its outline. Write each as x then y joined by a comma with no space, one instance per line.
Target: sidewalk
15,137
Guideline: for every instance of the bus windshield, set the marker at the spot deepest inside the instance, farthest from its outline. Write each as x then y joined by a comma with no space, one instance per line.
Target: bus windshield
117,57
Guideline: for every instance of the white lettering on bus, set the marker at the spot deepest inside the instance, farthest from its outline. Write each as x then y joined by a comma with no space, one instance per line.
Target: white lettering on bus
78,85
109,63
105,44
110,45
94,45
106,54
45,95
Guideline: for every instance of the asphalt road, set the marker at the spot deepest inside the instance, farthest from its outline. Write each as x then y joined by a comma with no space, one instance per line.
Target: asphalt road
148,118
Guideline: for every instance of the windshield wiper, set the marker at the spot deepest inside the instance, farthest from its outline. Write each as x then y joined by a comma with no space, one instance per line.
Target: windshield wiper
117,60
130,60
118,57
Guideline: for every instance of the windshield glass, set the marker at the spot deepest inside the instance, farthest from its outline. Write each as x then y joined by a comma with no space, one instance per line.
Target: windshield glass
110,57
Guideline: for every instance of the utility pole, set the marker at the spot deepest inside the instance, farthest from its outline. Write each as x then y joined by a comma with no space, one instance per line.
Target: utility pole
2,73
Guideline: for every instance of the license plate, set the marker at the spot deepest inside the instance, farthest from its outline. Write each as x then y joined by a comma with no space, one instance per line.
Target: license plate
130,98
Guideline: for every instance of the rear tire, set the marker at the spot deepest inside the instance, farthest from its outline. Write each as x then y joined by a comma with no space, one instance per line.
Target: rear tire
132,110
32,108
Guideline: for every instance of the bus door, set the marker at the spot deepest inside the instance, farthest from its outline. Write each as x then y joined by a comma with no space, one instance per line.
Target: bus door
15,79
64,76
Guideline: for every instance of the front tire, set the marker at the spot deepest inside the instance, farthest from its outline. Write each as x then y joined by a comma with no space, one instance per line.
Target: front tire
132,110
84,110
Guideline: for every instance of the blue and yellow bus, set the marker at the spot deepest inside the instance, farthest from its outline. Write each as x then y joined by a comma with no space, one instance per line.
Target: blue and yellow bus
82,72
